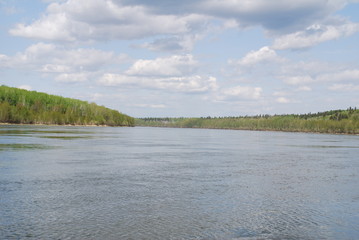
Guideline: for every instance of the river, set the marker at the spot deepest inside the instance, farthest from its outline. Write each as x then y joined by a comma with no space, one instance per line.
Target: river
163,183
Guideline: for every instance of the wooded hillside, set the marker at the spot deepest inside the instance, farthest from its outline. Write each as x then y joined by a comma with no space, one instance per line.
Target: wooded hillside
31,107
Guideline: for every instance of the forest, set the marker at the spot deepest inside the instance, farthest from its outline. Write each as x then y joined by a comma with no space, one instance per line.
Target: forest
334,121
18,106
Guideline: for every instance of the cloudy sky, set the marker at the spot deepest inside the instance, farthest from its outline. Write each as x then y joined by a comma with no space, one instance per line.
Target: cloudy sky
186,58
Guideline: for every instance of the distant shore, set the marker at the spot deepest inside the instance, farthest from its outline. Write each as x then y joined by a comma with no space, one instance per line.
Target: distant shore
162,126
330,122
255,130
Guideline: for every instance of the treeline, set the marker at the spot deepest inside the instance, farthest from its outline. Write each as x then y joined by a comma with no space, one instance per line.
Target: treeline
20,106
336,121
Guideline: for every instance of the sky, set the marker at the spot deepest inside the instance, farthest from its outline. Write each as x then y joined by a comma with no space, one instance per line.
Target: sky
198,58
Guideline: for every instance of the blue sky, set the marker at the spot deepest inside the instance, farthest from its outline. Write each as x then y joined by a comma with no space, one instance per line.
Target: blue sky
186,58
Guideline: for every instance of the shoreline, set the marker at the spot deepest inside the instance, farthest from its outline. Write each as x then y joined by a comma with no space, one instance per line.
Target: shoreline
56,125
256,130
237,129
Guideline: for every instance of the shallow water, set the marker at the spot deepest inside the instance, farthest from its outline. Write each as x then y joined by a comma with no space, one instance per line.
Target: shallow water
162,183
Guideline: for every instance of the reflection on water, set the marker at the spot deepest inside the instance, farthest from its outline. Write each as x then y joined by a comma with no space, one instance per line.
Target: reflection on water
65,137
155,183
14,146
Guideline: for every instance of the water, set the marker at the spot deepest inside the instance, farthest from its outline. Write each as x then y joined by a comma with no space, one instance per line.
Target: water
158,183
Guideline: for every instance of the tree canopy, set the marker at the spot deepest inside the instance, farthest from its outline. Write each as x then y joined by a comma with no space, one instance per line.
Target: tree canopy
334,121
20,106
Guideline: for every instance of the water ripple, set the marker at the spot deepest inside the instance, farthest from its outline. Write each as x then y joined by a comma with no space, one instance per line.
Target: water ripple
144,183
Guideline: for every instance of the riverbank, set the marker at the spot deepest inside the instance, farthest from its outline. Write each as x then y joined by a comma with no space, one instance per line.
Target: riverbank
259,130
331,122
57,125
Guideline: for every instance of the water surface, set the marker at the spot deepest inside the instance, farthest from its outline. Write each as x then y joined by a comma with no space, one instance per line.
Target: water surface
162,183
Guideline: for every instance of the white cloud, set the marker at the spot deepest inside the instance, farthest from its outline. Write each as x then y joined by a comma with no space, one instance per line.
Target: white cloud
314,35
230,23
96,96
241,92
297,24
84,20
176,26
7,8
312,68
4,60
293,25
282,100
112,79
176,65
286,96
93,20
26,87
177,73
47,1
304,74
344,87
72,77
304,89
68,65
280,93
257,65
55,68
336,75
296,80
275,16
178,43
345,75
53,27
50,57
150,105
189,84
34,54
265,54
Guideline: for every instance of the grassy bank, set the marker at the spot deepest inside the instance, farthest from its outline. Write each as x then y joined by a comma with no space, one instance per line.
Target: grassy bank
335,121
18,106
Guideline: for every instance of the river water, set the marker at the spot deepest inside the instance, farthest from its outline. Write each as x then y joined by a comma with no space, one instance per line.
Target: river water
162,183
